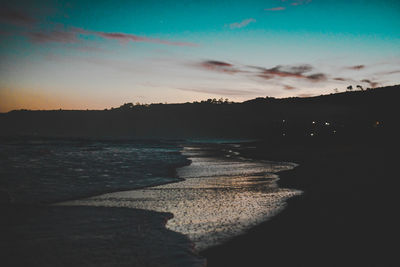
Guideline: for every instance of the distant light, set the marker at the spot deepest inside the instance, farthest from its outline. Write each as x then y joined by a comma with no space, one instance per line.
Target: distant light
327,123
284,134
334,131
313,122
377,123
312,134
283,120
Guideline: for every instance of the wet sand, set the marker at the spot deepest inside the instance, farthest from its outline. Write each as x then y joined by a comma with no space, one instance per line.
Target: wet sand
220,197
49,236
32,233
347,215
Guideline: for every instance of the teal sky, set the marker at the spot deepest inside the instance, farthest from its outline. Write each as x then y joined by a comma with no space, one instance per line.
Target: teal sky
101,54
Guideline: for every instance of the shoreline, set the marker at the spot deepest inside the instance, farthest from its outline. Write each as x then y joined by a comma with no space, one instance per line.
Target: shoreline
346,215
39,190
92,236
247,190
32,221
41,234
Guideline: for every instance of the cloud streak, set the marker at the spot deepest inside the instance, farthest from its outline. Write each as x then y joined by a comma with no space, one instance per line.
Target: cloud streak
340,79
317,77
224,92
303,72
305,95
218,66
298,72
72,35
389,72
124,38
244,23
288,87
371,83
55,36
357,67
16,17
300,2
279,8
292,3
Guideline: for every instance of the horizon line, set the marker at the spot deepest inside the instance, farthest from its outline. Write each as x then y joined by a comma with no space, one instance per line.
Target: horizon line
202,101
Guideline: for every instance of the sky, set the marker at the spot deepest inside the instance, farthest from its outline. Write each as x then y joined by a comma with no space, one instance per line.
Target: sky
101,54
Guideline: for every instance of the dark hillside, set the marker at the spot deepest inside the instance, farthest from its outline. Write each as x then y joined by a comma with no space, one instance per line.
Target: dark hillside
343,114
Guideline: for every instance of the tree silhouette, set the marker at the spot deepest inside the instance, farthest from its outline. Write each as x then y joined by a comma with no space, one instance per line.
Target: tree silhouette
126,106
350,87
360,87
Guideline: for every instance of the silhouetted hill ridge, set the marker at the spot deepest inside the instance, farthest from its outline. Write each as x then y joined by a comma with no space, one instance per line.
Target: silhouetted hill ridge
348,113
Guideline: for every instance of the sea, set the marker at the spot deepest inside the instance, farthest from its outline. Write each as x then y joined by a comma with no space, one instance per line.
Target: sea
47,171
206,190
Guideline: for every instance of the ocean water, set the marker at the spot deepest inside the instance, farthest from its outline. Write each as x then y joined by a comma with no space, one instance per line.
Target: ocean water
125,190
222,196
47,171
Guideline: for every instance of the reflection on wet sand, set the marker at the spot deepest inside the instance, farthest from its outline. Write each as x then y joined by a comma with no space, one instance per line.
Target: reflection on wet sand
220,198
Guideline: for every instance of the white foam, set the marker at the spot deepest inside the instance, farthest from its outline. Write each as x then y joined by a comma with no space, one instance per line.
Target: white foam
220,198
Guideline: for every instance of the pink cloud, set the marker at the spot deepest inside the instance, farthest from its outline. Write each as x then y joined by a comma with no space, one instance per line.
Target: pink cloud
275,8
22,18
90,49
317,77
291,72
340,79
4,33
123,37
280,71
371,83
219,66
390,72
292,3
300,2
244,23
357,67
16,17
224,92
288,87
71,36
305,95
55,36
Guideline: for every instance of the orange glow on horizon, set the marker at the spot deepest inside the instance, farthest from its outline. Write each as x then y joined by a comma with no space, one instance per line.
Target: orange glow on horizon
11,99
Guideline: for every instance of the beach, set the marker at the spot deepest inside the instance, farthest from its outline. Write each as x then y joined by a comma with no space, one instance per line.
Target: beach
199,133
346,216
219,195
337,208
38,173
91,236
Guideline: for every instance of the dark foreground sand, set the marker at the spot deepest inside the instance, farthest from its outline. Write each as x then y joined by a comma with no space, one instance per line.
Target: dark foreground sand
347,215
90,236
